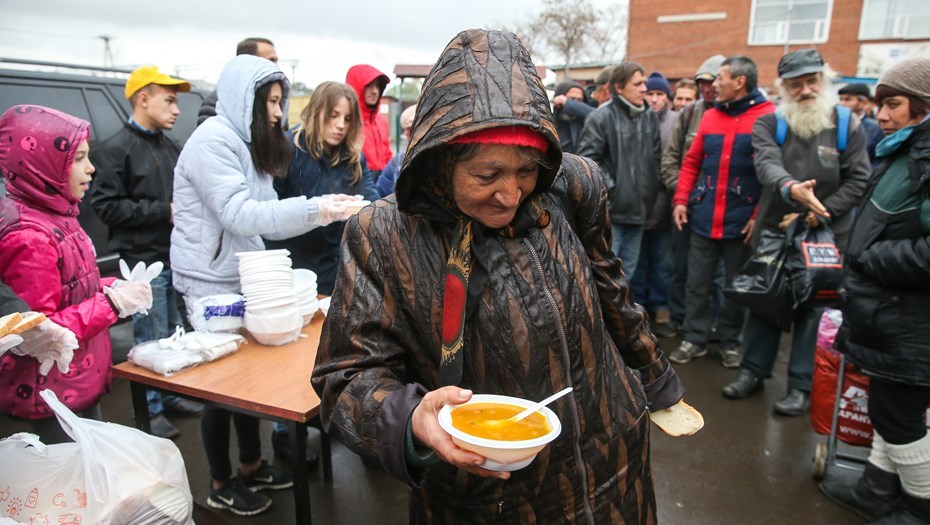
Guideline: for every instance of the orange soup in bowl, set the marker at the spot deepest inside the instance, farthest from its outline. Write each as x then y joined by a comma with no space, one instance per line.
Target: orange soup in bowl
484,420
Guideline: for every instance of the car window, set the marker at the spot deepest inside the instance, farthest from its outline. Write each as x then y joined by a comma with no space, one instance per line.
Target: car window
107,119
119,93
66,99
189,104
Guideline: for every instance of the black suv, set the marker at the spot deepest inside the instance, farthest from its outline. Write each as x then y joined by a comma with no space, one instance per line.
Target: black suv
96,96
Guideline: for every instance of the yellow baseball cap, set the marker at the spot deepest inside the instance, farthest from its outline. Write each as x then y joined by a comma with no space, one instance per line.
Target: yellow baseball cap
146,75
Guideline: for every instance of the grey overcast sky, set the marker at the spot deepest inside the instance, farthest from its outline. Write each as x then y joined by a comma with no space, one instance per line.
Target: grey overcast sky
315,40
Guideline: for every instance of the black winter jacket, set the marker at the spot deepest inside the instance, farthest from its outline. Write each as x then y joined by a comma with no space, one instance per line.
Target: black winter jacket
10,302
132,192
207,108
629,150
886,297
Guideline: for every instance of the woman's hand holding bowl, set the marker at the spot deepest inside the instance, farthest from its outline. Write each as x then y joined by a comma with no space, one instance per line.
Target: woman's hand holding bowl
426,430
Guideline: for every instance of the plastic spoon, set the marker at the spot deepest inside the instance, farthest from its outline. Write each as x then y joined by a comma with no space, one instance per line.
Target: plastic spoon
534,408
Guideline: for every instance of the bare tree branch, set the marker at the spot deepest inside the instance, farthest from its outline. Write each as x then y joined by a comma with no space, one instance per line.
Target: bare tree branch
571,31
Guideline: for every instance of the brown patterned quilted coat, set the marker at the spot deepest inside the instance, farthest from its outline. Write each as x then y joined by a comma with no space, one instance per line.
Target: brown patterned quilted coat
556,311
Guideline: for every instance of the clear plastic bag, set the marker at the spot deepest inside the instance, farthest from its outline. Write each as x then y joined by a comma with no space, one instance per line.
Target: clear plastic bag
111,474
182,350
217,313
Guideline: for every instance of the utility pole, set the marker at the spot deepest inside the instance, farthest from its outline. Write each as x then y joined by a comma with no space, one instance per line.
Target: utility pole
107,51
293,63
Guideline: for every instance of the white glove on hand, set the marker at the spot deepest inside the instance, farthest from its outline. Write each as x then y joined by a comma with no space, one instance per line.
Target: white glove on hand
140,273
130,297
9,341
328,210
48,343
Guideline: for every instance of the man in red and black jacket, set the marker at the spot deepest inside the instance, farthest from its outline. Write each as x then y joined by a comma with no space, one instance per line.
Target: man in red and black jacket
369,84
718,189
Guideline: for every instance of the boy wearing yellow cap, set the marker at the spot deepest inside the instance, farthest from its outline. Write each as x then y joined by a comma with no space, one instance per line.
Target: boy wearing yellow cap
131,194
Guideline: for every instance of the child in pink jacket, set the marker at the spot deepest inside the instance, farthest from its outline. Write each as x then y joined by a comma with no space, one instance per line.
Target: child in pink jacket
49,261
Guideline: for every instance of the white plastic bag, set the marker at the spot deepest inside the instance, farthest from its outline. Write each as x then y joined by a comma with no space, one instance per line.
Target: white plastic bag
111,474
216,313
182,350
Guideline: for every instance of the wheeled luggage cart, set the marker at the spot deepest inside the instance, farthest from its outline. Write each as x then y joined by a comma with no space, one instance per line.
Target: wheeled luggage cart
826,454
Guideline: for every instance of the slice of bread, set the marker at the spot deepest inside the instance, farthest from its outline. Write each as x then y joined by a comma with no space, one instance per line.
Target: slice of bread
680,419
28,323
7,322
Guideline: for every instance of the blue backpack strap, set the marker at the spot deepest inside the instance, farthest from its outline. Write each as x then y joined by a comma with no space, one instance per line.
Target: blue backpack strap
781,129
842,127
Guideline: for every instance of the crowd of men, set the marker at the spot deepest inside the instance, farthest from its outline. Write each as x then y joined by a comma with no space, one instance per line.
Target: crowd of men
694,176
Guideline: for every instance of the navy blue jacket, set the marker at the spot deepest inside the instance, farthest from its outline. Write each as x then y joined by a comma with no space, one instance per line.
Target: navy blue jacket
318,249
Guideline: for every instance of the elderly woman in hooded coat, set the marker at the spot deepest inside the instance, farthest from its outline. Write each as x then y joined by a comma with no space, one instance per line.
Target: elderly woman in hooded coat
490,271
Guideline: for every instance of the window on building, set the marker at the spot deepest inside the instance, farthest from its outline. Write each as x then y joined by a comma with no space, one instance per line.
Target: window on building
775,22
895,19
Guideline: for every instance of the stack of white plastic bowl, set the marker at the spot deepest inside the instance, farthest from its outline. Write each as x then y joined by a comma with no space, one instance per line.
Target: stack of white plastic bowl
271,312
305,290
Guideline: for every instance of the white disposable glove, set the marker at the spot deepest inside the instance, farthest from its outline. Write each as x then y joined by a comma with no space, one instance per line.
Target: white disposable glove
140,273
49,343
328,210
9,341
130,297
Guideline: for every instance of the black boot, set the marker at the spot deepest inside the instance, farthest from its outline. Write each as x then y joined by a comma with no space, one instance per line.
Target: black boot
914,511
795,403
745,384
877,493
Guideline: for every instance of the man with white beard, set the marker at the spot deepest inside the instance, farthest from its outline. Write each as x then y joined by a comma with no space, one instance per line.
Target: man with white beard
809,174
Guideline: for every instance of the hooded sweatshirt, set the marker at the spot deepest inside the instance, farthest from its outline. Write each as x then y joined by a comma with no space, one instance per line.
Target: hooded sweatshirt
222,203
49,261
569,119
377,147
554,311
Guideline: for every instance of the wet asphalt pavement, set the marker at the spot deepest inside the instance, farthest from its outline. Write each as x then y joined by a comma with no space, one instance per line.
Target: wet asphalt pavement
747,466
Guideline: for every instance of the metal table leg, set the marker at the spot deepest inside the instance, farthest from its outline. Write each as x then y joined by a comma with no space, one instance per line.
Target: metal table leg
140,407
298,438
327,454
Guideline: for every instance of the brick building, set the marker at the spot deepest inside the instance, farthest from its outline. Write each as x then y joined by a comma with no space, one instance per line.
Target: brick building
858,38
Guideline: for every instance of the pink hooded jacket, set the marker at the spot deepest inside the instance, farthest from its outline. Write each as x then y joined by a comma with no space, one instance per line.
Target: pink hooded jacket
49,261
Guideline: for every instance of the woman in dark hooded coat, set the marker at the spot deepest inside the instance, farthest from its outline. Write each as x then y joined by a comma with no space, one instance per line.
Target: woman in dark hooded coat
490,271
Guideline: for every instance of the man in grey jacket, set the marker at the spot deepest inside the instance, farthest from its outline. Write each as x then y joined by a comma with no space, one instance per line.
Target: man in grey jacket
623,137
809,177
683,132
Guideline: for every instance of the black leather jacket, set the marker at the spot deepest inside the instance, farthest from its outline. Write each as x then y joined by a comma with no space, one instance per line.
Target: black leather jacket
628,148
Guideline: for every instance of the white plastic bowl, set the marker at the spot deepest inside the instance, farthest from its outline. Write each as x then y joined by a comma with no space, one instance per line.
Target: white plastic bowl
502,456
308,307
324,305
272,308
304,278
276,329
263,254
278,339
